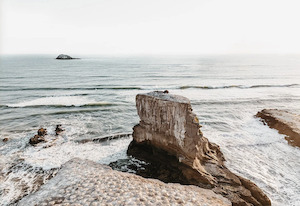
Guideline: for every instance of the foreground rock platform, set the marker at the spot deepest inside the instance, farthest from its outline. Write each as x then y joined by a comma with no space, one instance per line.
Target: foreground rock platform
285,122
83,182
169,137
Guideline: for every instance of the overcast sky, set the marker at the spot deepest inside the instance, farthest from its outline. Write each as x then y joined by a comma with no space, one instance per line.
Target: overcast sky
149,26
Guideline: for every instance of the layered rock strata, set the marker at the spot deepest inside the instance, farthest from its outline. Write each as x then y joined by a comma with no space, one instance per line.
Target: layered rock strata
169,135
285,122
83,182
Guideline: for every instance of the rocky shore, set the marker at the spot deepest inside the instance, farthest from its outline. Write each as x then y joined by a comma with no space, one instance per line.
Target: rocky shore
283,121
83,182
169,148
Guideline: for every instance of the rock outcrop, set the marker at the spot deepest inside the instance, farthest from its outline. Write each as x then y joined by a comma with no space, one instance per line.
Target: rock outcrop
285,122
83,182
169,135
65,57
39,137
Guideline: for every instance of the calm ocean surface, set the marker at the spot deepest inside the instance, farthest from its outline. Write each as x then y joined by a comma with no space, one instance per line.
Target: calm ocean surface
95,97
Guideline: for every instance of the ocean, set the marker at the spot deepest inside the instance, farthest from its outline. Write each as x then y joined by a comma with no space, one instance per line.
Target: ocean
94,97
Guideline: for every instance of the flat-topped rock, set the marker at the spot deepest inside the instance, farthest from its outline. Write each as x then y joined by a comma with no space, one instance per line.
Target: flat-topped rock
285,122
169,137
83,182
166,97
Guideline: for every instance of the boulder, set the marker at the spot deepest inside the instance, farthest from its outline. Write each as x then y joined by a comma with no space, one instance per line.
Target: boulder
36,139
42,132
5,139
169,135
39,137
285,122
58,129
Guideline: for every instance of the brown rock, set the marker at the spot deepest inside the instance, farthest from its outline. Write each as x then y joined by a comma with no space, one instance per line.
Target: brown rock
42,132
169,134
36,139
5,139
285,122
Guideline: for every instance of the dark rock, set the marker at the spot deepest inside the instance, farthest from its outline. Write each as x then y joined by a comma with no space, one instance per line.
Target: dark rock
65,57
5,139
169,138
39,137
58,129
36,139
42,132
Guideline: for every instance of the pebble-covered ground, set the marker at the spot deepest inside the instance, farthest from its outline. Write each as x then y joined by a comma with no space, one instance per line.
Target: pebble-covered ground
83,182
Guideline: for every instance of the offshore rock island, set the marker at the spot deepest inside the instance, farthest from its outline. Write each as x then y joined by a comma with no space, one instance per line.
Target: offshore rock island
65,57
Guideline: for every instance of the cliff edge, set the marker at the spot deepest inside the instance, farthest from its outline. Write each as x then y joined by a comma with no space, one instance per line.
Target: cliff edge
169,137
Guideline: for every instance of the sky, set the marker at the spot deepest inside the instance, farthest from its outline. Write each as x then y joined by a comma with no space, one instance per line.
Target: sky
149,26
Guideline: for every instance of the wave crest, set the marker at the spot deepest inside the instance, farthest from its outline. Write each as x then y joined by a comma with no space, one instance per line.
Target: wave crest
238,86
62,101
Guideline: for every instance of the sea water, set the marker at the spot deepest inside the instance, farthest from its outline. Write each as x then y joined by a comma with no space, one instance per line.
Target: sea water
94,97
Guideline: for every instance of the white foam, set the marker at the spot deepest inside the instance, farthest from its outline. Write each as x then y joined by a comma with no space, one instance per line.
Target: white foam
55,156
58,101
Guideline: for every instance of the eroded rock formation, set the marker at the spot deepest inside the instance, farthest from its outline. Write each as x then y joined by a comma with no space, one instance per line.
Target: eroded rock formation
169,135
285,122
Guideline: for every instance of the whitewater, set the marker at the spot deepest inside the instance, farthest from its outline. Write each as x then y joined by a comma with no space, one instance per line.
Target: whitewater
94,97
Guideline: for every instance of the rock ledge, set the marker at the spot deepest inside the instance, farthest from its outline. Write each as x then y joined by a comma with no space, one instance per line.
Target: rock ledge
285,122
83,182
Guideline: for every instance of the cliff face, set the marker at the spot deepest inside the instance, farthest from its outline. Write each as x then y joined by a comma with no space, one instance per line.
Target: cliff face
285,122
168,128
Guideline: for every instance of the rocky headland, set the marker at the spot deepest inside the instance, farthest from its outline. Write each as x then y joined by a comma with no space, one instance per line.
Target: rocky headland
83,182
169,137
285,122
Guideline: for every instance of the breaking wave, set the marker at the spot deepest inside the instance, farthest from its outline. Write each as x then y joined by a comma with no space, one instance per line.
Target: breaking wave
64,101
72,88
238,86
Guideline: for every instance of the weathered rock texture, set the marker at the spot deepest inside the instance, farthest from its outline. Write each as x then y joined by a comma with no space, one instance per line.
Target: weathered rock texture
285,122
83,182
169,134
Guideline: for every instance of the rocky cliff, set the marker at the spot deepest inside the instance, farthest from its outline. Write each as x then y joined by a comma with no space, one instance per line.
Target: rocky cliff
169,137
285,122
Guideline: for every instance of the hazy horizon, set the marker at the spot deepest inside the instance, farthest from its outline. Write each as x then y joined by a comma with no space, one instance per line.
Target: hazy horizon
136,27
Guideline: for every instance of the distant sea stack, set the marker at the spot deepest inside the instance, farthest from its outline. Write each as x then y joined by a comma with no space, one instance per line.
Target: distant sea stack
285,122
169,137
65,57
